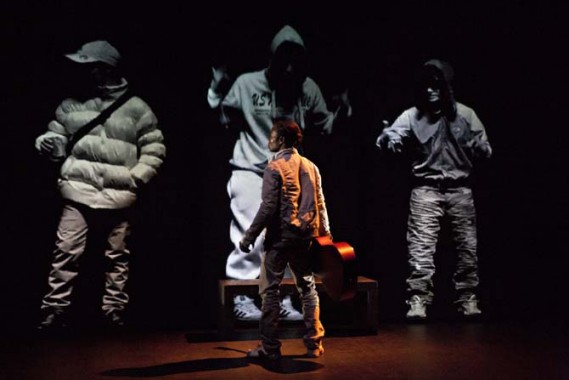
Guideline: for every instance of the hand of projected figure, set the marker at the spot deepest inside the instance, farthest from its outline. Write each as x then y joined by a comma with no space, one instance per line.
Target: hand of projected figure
220,79
342,103
395,145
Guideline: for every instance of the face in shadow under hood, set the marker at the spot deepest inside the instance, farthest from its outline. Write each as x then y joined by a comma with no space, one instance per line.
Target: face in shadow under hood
287,69
438,75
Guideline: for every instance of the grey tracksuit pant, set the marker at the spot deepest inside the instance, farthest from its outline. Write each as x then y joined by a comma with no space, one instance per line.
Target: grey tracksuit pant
244,189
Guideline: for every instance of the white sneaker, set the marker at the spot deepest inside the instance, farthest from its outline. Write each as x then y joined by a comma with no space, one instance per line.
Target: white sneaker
244,309
288,312
469,307
260,353
316,353
417,308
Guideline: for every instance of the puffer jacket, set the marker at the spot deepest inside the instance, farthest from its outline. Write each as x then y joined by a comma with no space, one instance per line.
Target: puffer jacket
293,205
107,165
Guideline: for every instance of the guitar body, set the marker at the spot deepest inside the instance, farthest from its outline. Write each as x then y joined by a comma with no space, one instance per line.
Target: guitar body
335,265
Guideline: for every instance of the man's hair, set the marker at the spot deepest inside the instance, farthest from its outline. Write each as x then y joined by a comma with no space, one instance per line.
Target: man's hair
289,130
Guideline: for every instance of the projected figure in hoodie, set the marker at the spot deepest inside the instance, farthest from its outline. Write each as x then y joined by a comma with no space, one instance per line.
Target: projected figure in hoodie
445,138
282,90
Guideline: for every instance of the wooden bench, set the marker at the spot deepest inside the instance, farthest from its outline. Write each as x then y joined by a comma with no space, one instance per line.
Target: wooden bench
366,321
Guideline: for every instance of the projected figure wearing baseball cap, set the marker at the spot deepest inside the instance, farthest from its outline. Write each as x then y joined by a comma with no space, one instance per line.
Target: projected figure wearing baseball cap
110,147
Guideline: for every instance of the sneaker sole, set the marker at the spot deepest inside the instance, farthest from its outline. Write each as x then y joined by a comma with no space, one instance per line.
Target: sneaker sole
416,317
314,356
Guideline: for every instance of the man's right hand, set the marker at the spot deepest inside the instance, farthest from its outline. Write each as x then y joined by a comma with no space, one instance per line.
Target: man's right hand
52,147
395,145
245,245
46,146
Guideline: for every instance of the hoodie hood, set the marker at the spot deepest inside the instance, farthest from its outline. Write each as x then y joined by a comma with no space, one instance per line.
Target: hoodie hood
437,71
443,68
287,71
287,33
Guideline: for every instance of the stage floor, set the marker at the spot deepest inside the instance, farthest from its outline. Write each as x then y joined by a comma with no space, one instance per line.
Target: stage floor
459,350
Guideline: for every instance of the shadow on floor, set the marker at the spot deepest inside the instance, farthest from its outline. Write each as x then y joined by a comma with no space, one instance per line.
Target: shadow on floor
288,364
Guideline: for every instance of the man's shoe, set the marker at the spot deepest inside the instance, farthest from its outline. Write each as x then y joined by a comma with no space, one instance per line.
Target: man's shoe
417,308
52,319
316,353
288,312
260,353
244,309
114,319
469,307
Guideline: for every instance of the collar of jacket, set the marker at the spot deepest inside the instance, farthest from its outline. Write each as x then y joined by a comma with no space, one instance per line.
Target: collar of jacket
113,92
284,152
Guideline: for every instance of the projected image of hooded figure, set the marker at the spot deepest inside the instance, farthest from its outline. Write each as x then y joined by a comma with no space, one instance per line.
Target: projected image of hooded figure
281,91
444,138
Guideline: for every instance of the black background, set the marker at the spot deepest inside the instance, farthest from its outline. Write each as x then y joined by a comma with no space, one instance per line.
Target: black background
508,63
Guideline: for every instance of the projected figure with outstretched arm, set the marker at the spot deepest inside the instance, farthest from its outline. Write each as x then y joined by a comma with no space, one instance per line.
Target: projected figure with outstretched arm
445,138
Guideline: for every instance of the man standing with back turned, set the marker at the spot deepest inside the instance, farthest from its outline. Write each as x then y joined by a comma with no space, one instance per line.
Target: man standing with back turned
282,90
293,211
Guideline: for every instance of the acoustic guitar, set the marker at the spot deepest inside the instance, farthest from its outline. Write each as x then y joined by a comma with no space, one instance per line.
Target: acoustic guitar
335,265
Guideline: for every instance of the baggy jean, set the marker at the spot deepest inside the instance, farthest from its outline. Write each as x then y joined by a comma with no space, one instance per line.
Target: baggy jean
72,232
428,205
275,261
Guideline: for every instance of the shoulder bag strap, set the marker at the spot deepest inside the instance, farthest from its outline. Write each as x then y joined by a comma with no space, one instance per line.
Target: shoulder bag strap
100,119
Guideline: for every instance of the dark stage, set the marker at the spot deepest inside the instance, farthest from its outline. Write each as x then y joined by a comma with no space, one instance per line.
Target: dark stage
508,60
400,351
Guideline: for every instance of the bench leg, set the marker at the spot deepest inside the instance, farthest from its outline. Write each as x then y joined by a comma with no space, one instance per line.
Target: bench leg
372,306
225,314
